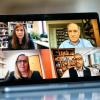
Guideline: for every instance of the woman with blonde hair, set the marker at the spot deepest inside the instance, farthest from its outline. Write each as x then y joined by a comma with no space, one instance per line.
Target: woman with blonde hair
20,38
22,70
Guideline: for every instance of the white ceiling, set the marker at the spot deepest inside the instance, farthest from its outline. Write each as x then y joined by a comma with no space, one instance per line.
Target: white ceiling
87,51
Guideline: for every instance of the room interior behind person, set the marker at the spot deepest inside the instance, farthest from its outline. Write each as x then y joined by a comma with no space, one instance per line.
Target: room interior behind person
74,41
80,70
22,70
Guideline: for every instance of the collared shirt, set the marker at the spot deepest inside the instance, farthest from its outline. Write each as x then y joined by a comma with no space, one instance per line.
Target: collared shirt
80,73
80,44
66,74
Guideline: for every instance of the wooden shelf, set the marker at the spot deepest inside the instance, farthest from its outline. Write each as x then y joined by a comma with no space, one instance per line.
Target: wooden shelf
61,36
3,35
61,58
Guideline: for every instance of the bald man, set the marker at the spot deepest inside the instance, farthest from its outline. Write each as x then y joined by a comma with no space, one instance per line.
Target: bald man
79,70
74,38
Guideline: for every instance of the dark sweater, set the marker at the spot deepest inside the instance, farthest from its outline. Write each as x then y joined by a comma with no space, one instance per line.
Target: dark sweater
35,76
73,73
30,44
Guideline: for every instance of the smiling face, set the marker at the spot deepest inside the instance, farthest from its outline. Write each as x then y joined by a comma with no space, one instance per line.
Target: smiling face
22,64
73,32
20,32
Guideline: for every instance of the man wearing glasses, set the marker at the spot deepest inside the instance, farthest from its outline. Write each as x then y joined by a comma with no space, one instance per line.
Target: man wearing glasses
79,70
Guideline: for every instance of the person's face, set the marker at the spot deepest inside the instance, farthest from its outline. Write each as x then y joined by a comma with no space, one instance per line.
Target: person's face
22,63
78,61
73,32
20,32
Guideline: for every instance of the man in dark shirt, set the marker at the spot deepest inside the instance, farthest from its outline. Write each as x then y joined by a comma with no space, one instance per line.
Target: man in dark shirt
79,70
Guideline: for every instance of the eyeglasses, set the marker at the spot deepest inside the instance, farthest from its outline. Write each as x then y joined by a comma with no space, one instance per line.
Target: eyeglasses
20,61
70,31
77,59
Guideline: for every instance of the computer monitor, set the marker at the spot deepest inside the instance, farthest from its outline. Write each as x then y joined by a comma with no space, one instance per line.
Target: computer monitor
49,48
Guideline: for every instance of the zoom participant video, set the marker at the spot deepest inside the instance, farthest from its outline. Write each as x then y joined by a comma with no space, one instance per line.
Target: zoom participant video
73,63
25,65
75,33
21,35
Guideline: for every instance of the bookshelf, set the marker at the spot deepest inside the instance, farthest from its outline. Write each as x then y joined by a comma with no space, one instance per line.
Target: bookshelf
3,35
3,69
62,60
91,31
61,36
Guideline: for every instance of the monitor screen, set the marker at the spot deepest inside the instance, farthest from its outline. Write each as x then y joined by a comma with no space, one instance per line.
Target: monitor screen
49,46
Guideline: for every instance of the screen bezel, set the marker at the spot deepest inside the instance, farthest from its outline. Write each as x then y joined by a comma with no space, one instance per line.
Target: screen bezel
48,17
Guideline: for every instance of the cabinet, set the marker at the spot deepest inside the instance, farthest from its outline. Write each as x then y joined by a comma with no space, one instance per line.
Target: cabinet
91,31
46,63
61,36
34,60
62,60
3,69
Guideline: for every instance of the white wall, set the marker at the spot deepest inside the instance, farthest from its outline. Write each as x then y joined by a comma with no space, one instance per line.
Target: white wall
89,51
11,57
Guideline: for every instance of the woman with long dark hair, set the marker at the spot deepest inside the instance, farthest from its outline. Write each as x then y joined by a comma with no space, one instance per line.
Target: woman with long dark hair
20,38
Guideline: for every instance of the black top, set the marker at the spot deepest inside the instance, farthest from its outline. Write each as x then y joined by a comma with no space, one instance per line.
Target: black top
29,46
35,76
86,72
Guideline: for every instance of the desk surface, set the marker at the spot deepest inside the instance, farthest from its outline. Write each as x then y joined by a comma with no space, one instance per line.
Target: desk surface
42,43
64,94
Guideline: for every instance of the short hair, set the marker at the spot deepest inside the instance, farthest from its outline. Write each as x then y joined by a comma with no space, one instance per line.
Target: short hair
74,24
78,54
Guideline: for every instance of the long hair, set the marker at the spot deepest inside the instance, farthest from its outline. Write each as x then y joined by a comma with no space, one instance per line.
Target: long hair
15,41
17,73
